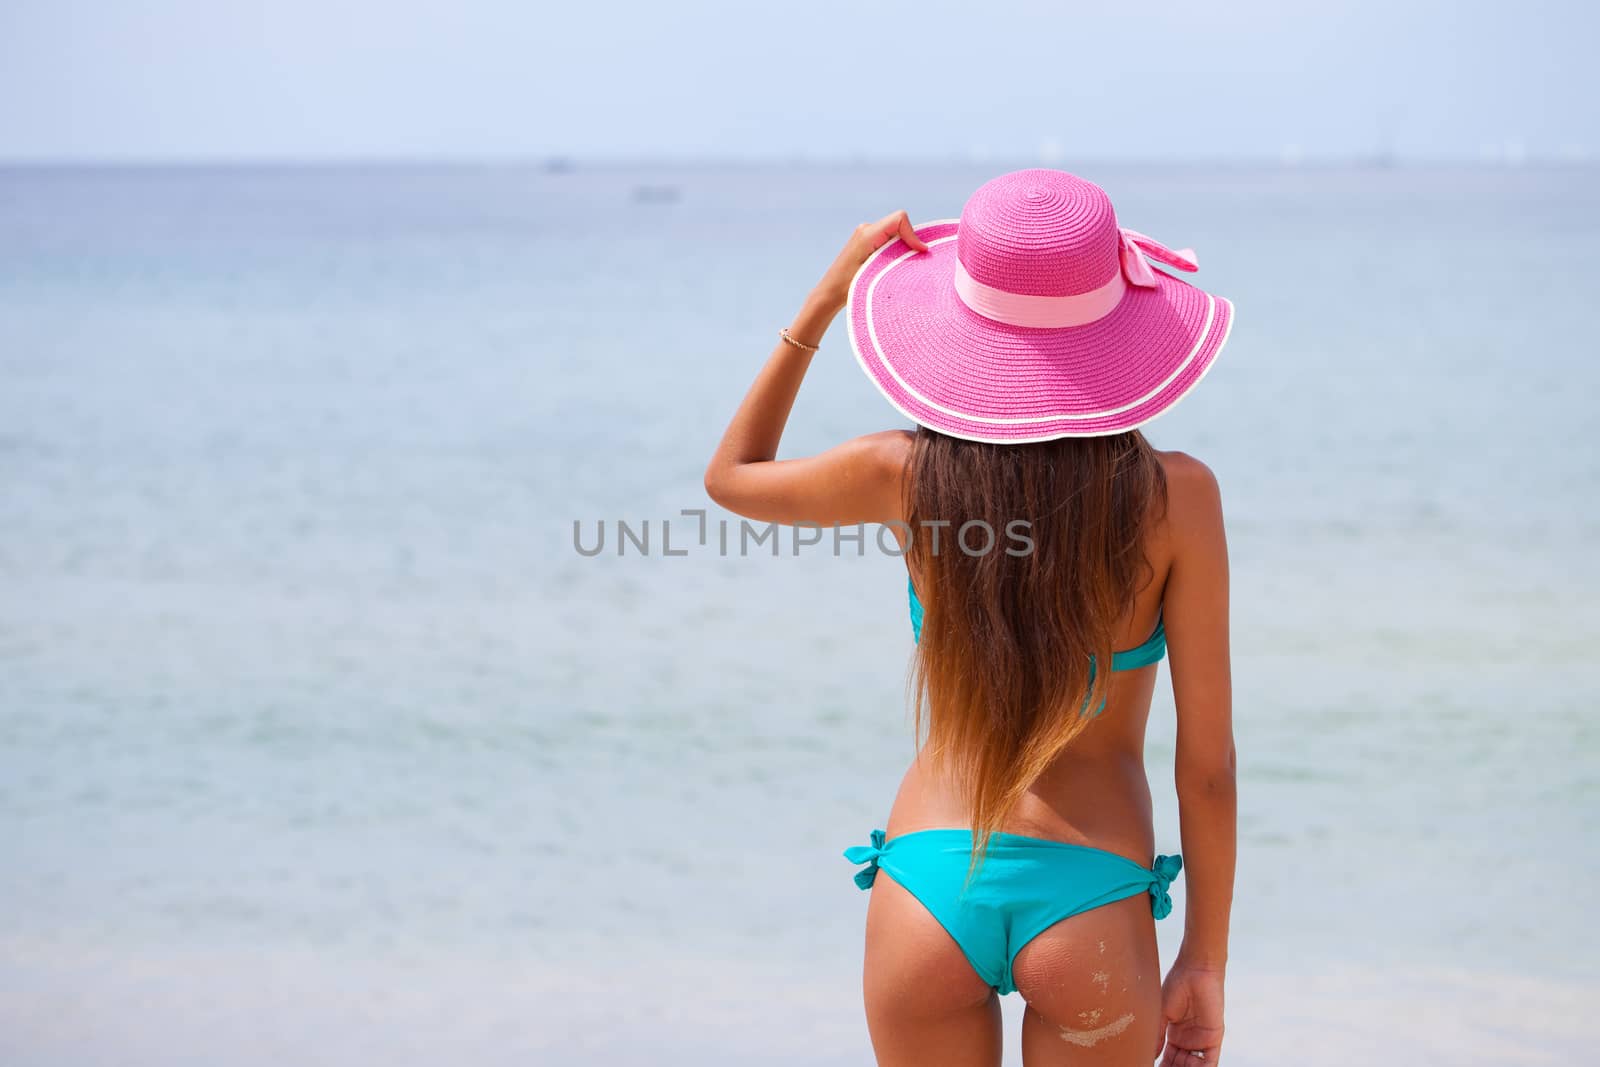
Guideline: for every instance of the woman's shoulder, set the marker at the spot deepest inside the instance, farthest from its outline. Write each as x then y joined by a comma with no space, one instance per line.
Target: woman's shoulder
889,450
1187,473
1194,498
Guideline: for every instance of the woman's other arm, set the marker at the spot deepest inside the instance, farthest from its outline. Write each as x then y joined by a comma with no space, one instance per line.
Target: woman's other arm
1195,609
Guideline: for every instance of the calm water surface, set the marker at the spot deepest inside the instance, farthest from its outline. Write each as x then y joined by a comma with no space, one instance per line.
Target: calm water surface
319,741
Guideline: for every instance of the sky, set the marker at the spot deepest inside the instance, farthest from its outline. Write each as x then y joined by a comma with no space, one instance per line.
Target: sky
182,80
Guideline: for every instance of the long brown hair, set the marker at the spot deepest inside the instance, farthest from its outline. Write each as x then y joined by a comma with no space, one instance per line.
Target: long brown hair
1002,669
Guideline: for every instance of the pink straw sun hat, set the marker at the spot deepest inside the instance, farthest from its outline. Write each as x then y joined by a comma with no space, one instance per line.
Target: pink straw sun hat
1033,317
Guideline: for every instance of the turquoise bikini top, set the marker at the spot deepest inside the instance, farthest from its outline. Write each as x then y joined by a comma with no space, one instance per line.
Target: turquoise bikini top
1151,651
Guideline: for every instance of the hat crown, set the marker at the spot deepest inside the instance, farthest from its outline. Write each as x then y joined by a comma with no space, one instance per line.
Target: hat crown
1040,232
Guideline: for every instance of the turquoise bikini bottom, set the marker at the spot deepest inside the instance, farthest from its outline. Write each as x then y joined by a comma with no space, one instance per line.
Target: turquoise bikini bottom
1025,885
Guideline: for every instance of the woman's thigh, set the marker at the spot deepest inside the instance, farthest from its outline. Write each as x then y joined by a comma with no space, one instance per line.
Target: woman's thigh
925,1004
1093,987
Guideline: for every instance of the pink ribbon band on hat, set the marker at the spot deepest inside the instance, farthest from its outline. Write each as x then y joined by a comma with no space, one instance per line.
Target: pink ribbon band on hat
1040,312
1079,309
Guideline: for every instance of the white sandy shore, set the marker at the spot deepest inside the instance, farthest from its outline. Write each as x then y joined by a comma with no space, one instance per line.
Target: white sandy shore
254,1007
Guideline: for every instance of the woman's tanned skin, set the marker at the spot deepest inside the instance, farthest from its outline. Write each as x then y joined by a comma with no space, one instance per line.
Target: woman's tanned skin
1090,981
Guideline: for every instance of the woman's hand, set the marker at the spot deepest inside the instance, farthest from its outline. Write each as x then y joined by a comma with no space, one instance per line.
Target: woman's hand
1191,1008
867,239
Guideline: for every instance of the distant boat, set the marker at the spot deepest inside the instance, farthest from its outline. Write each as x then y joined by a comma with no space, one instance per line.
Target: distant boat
1383,156
656,194
558,165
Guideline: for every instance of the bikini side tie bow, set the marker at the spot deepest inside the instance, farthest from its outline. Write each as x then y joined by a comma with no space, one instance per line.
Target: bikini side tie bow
1136,247
1165,869
867,854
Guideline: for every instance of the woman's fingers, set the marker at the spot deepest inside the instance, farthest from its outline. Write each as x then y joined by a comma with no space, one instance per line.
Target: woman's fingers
896,224
907,233
1181,1044
1175,1055
867,239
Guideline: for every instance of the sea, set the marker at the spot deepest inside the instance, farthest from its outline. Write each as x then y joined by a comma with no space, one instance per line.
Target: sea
327,738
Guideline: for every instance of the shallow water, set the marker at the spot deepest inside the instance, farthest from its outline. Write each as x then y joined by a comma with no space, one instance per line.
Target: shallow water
318,739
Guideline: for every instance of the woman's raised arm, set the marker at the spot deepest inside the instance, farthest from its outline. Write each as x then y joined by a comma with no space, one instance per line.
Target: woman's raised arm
858,481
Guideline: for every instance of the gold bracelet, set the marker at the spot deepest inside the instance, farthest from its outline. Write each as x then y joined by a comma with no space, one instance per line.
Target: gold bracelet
784,333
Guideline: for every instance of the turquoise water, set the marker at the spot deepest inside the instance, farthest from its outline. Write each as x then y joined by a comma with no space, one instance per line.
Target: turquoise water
319,741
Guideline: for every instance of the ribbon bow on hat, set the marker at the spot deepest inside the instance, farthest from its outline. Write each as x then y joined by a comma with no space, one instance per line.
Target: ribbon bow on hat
868,855
1136,268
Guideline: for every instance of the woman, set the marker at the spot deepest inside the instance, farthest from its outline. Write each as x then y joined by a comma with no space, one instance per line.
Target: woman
1043,536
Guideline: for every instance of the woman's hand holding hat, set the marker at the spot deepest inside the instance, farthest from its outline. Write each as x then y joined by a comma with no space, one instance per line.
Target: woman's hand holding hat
867,239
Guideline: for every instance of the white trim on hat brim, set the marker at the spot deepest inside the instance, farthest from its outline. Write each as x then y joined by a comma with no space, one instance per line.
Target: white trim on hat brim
861,358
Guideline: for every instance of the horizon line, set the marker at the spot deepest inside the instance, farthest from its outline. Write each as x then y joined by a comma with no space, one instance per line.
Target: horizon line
567,161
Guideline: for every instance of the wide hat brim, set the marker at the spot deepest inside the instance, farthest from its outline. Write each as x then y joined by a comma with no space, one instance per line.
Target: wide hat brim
948,368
